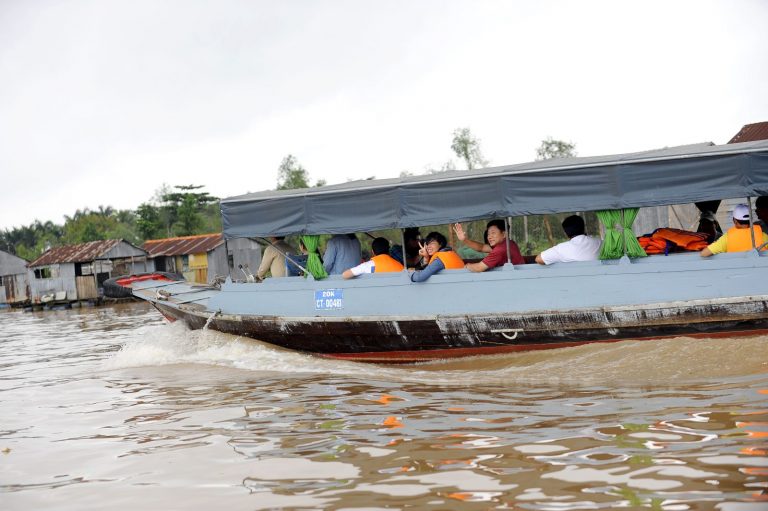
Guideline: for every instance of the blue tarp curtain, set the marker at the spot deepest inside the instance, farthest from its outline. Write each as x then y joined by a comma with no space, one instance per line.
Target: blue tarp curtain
669,176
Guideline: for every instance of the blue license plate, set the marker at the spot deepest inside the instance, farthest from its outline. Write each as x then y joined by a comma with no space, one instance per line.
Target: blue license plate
329,299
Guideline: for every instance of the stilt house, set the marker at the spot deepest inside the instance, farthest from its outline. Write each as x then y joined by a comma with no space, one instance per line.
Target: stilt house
14,289
77,272
203,257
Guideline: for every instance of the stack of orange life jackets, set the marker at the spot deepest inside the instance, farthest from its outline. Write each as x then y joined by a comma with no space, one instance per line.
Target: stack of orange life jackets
666,240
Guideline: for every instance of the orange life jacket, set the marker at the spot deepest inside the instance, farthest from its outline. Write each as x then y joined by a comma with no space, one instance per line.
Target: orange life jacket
450,259
740,240
683,239
385,263
652,245
666,239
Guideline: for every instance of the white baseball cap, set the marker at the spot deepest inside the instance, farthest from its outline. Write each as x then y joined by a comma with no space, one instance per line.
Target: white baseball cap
741,212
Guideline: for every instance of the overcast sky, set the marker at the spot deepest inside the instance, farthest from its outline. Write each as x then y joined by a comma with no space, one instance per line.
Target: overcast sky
101,102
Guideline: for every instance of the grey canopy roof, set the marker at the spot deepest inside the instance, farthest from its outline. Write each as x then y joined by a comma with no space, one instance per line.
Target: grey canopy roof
675,175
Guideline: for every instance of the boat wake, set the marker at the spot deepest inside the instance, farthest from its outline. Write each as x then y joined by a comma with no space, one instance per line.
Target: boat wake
657,362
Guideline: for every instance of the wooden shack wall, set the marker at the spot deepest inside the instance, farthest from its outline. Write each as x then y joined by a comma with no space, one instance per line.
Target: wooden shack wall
64,282
217,263
14,289
246,252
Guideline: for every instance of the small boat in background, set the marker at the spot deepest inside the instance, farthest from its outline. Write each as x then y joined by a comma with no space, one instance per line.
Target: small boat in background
387,318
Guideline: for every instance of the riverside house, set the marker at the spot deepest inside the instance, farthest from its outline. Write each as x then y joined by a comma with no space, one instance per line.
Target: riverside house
14,289
77,272
203,257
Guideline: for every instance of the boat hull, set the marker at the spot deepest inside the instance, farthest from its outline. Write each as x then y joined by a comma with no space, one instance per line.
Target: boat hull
413,339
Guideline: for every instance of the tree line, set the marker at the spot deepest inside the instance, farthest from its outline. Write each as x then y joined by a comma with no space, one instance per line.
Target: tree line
179,211
185,210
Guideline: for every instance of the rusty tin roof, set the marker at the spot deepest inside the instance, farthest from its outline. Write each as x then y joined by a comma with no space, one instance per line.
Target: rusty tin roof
80,253
183,245
751,132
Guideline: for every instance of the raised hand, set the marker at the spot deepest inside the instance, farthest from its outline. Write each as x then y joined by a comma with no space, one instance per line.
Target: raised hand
459,230
423,250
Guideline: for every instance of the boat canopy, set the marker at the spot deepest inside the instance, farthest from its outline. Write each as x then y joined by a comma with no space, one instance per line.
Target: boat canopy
674,175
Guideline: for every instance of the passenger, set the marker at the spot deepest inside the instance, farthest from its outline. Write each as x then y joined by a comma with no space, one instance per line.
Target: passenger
738,237
439,255
341,252
709,225
496,248
761,208
412,242
579,246
273,258
381,261
308,243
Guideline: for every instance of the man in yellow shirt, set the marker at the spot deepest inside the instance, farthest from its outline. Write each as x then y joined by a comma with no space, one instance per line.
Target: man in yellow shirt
738,238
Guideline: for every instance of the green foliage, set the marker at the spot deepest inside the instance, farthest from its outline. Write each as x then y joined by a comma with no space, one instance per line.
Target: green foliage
291,175
169,213
551,148
149,221
467,147
105,223
183,210
28,242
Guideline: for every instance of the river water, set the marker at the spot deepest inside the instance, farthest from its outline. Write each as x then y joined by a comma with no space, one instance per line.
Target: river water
112,408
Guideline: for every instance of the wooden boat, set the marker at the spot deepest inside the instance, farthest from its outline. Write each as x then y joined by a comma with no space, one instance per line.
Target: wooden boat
388,318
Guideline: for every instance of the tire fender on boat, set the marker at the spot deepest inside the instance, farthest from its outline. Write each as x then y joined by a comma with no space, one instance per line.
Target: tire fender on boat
120,287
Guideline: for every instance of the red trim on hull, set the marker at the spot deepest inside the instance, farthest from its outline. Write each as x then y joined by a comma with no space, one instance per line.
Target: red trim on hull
125,282
400,357
170,319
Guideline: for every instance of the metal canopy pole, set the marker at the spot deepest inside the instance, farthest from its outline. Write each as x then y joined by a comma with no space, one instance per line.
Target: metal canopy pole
226,257
402,252
508,226
751,223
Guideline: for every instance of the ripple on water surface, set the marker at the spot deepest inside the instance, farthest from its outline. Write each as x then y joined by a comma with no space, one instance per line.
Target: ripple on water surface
115,406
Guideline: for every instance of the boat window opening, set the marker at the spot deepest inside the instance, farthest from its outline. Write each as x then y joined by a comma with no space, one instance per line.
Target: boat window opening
536,233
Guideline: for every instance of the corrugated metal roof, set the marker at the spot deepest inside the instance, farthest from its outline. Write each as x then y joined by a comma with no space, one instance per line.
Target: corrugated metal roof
751,132
183,245
81,253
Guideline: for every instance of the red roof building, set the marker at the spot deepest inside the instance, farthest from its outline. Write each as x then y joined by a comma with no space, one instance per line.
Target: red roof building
751,132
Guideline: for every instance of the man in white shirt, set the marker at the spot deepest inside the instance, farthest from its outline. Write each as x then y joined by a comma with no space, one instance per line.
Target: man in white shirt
579,246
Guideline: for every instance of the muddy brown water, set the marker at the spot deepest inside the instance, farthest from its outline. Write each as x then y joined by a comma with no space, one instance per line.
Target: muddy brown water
112,408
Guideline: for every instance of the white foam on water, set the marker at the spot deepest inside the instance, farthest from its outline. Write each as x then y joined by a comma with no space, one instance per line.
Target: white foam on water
667,361
175,344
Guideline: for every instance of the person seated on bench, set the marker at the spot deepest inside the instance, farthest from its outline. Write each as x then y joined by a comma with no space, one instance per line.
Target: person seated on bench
579,246
439,257
496,248
737,238
381,261
273,259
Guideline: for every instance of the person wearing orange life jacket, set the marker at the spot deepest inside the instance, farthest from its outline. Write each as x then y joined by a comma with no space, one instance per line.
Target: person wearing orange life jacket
381,262
439,257
738,238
